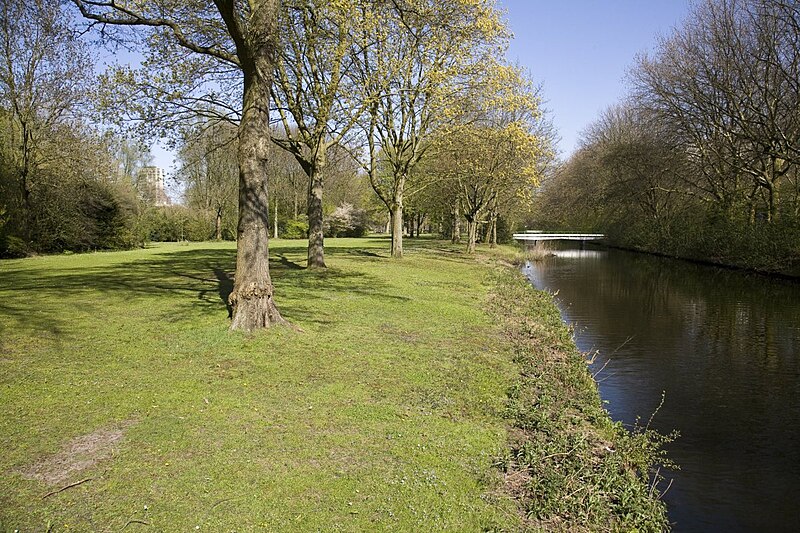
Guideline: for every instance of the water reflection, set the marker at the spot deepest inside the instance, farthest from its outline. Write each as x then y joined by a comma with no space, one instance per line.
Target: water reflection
724,347
579,254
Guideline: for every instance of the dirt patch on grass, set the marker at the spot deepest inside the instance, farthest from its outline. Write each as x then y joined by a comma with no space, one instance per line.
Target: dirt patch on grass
77,455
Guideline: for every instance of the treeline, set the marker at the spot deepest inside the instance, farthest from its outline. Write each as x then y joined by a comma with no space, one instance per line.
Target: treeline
66,184
209,171
59,186
701,160
385,116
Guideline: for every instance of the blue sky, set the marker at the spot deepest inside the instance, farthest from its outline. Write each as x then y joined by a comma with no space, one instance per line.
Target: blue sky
581,51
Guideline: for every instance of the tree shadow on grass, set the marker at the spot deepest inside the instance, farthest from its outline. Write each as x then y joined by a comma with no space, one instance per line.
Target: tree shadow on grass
286,263
192,282
225,288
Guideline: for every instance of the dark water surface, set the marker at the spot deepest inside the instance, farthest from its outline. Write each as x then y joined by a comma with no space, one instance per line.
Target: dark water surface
724,347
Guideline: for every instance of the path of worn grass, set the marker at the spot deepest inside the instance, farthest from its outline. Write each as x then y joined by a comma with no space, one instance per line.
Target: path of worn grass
384,414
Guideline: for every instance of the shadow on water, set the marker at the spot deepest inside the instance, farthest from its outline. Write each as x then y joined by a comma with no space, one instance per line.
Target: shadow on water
191,281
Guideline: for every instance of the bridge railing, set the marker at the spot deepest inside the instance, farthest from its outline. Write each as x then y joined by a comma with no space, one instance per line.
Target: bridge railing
534,235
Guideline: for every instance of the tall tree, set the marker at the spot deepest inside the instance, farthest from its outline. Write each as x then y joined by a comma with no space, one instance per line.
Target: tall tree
193,47
314,94
131,157
436,51
210,171
44,81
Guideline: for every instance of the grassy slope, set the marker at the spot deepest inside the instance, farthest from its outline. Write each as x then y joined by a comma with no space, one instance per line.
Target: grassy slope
385,412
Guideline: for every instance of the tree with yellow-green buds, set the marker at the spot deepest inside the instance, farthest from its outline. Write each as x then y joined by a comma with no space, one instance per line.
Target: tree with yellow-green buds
492,157
215,60
317,99
433,53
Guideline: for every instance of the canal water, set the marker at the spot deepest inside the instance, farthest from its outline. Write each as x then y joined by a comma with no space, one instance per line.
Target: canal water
723,348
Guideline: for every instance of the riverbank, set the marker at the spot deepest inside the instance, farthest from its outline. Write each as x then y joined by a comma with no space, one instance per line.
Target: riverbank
127,403
792,274
714,352
569,465
771,249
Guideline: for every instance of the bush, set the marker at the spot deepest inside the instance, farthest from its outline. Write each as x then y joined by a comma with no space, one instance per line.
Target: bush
707,236
78,215
177,223
295,228
12,247
347,221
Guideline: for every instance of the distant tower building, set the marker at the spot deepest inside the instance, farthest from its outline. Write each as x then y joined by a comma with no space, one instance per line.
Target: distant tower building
151,186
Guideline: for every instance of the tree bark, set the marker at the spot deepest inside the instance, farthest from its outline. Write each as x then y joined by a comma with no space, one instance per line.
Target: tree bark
25,184
397,218
251,300
218,225
316,244
397,230
472,234
456,236
772,213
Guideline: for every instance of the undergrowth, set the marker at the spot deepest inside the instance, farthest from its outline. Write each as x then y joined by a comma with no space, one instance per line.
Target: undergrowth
568,465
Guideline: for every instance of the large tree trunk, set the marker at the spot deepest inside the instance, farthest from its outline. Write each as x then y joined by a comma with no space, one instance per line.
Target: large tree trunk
252,301
218,225
316,244
397,230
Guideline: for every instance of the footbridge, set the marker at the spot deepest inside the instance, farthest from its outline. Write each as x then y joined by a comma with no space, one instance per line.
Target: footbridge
534,236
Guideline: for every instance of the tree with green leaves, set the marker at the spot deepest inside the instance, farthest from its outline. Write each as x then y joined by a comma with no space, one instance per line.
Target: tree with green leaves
436,51
316,102
215,59
491,155
44,79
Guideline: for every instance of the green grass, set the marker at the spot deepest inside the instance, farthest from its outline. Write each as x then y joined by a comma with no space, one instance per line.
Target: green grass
434,393
384,413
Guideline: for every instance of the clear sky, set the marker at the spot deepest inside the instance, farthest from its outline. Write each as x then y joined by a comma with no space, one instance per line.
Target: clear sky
581,51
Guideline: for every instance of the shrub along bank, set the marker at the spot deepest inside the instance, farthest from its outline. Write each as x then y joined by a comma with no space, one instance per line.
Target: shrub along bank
125,401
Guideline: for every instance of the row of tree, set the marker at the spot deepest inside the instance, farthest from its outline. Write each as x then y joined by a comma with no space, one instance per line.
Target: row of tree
702,159
209,172
376,79
408,95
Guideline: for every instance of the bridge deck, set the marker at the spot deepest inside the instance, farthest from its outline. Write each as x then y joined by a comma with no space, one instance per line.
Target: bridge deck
535,236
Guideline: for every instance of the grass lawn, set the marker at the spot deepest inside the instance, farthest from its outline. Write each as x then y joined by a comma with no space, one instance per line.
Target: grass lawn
117,370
